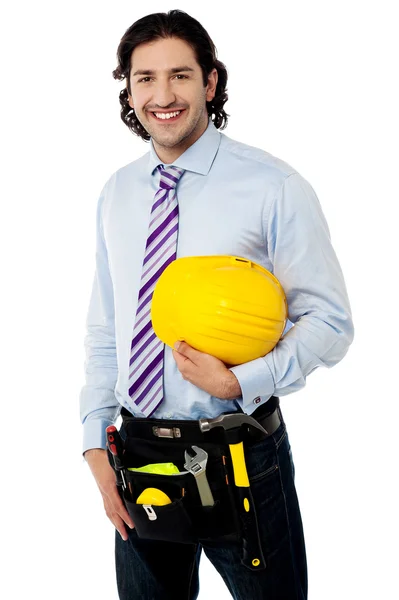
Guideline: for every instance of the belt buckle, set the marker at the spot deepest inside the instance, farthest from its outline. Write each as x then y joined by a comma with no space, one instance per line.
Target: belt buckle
166,432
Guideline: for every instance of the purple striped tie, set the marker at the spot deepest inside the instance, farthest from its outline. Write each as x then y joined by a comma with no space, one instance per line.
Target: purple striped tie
146,352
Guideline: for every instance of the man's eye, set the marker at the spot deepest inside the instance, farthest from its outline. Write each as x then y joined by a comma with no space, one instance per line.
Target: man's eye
179,75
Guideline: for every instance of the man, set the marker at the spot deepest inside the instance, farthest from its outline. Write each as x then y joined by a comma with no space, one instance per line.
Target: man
236,200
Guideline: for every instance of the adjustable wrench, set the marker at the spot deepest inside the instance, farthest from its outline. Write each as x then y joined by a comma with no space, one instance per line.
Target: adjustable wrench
196,465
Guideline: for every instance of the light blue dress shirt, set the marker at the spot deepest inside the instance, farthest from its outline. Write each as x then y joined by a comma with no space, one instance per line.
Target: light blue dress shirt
234,199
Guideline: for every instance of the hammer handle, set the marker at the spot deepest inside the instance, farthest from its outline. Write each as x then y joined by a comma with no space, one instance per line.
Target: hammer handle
239,466
252,552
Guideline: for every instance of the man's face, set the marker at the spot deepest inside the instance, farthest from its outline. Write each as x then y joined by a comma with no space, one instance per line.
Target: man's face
167,92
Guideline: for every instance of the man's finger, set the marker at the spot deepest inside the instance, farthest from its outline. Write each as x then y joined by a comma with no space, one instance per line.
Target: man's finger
122,512
120,508
115,518
186,350
120,527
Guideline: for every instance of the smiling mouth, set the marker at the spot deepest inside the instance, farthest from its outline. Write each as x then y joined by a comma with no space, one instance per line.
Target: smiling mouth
168,118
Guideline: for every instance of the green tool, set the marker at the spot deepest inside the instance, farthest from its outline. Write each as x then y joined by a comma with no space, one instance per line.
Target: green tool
161,468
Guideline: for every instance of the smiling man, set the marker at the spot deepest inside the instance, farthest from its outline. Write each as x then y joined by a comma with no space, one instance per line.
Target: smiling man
176,116
197,192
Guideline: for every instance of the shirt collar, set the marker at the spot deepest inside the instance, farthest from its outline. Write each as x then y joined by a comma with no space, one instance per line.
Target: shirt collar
198,157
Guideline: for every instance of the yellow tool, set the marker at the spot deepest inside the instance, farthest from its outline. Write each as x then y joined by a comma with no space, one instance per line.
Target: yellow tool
153,496
231,423
162,468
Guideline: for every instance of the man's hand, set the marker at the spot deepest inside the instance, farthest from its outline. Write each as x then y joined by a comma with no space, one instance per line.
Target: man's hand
206,372
105,477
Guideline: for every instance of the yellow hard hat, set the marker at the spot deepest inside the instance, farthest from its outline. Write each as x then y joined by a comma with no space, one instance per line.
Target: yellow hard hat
226,306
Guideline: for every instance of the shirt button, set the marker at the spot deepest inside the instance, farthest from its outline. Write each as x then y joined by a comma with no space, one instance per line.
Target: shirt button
257,400
168,416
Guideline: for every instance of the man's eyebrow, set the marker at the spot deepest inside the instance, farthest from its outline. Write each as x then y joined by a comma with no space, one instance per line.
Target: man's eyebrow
174,70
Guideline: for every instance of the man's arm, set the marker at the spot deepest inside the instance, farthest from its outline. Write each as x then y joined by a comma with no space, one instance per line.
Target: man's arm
305,263
98,405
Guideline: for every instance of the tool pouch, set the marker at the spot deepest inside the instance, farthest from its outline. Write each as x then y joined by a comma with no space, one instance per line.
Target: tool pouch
185,519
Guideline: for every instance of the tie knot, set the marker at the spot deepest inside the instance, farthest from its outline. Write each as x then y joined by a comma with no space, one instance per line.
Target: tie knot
169,177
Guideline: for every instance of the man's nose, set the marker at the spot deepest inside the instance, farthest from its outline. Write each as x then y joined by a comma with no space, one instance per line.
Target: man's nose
163,94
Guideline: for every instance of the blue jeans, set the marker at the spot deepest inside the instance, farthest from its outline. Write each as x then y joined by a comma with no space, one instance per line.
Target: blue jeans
153,570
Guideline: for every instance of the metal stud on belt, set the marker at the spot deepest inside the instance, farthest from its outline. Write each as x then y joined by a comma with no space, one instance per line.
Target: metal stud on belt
166,432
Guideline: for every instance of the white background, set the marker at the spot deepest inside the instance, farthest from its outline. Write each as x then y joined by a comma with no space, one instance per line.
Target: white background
311,82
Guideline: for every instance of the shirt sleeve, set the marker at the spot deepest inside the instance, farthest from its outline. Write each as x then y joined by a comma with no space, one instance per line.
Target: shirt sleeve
98,405
304,261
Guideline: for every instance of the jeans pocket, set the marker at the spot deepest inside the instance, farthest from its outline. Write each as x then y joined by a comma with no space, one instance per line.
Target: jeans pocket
261,457
264,469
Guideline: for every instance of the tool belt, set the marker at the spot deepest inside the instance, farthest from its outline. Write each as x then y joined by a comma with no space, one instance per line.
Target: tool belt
206,502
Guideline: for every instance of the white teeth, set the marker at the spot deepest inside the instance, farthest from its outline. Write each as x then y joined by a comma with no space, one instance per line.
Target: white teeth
167,115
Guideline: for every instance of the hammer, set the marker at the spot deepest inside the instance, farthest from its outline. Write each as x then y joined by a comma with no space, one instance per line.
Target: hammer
232,423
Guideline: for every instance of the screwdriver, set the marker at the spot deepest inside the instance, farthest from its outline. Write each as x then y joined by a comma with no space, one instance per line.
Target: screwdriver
115,445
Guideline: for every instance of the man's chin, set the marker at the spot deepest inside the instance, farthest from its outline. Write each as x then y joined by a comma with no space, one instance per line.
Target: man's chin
168,139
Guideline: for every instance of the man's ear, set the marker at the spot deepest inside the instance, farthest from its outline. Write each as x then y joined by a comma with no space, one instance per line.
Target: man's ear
130,99
212,84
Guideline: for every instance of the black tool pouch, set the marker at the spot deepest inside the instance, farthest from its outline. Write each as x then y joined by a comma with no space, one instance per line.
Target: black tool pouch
185,519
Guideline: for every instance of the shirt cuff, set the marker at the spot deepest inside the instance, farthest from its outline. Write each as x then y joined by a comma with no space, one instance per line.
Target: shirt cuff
256,382
94,435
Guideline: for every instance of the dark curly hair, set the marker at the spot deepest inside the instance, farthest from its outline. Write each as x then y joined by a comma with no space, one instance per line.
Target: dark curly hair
179,24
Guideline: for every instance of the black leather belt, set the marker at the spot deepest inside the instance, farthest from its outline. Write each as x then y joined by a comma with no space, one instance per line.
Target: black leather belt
268,415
